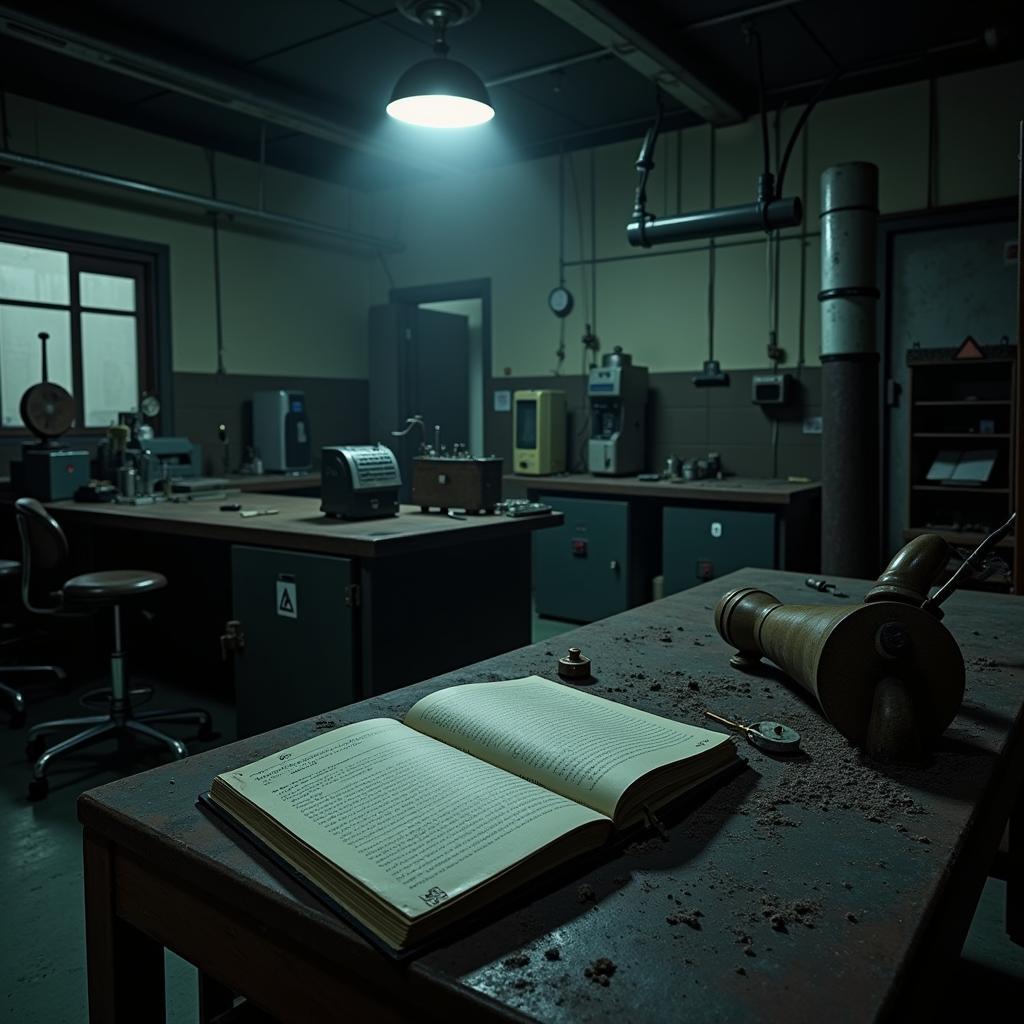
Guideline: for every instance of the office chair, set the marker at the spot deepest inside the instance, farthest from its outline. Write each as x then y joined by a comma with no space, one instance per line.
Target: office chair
45,552
14,697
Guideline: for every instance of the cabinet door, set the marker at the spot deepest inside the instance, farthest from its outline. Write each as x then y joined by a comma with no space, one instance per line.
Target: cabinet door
298,655
703,544
581,568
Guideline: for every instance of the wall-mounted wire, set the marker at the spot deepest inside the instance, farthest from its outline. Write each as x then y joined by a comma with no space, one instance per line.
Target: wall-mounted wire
753,36
798,127
211,157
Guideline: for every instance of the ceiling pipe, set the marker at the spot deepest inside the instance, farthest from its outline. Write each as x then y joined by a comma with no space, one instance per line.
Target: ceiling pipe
208,88
353,240
771,215
643,55
740,15
544,69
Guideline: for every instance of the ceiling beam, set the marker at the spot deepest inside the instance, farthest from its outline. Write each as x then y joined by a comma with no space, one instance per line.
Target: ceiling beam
596,22
179,77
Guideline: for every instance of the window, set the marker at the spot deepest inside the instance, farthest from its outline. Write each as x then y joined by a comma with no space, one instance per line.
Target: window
96,305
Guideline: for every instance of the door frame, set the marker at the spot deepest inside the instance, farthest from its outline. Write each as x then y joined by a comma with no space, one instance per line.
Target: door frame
450,291
889,229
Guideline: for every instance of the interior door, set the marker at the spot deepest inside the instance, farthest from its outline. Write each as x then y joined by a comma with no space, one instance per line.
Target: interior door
419,365
945,283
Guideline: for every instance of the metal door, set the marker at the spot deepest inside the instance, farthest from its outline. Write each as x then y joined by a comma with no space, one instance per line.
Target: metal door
419,365
944,283
581,568
702,544
297,616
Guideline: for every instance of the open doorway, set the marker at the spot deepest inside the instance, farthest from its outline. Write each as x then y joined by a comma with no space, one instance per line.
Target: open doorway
471,300
430,356
473,311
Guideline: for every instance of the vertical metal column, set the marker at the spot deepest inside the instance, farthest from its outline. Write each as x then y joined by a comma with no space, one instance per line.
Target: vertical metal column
850,456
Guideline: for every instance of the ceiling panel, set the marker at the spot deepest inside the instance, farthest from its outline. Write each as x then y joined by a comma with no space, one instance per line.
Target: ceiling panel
360,67
49,76
235,30
598,92
339,60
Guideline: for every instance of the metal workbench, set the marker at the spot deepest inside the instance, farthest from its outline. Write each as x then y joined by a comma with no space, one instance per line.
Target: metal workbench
823,888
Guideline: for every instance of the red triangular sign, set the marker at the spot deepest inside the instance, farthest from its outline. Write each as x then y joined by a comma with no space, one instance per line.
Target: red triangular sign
970,349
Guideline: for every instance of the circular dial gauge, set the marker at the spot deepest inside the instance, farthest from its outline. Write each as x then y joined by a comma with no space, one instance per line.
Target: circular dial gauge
150,406
47,410
560,301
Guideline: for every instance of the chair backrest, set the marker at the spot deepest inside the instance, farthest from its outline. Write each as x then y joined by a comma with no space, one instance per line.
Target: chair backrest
44,548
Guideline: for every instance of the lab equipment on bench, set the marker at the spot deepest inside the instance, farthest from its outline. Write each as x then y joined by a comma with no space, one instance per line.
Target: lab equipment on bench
539,424
359,481
47,471
280,430
456,481
617,392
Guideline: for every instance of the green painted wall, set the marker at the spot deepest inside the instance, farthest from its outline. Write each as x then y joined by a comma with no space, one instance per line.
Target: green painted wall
503,224
299,308
290,306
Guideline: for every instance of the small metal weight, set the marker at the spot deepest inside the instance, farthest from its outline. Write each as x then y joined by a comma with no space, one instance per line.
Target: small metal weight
574,665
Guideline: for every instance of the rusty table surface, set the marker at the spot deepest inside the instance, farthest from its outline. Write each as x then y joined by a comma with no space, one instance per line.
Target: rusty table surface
274,483
802,890
730,490
299,525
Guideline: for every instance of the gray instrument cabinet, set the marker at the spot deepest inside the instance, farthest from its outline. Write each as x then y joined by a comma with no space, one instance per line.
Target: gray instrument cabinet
299,653
700,544
583,569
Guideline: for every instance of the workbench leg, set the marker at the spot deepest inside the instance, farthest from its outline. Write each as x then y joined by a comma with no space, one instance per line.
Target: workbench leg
126,967
1015,874
214,998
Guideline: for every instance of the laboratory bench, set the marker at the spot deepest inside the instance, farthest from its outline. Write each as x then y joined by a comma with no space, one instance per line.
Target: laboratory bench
307,612
307,484
809,888
622,533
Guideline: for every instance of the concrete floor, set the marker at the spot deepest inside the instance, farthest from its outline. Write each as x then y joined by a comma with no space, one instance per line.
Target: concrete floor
42,948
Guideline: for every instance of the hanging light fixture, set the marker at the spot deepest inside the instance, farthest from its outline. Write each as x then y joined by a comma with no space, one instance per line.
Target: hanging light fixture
438,92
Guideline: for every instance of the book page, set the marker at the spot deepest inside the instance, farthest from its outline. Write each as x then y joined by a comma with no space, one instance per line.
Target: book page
578,744
414,820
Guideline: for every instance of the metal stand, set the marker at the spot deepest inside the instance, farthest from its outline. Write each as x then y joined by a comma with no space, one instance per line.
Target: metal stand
16,698
120,721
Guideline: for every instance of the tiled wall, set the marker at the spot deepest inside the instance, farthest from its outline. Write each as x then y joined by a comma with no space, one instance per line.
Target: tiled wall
337,410
687,421
337,413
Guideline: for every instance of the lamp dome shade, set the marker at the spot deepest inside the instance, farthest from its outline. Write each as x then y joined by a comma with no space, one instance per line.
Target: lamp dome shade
440,93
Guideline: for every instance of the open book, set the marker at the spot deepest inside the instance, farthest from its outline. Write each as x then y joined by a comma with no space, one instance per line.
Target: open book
411,826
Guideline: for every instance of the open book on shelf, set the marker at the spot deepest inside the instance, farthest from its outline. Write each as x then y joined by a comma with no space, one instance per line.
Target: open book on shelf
410,826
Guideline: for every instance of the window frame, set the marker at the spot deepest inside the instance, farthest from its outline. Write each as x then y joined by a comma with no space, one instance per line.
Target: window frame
90,252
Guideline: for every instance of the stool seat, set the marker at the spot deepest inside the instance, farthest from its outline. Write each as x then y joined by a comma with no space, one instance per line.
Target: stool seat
9,568
112,585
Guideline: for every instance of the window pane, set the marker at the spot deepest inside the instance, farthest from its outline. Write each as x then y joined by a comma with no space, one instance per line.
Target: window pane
105,291
34,275
21,354
110,368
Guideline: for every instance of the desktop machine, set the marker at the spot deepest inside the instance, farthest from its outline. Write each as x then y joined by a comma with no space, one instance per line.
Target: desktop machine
617,392
359,481
539,441
280,431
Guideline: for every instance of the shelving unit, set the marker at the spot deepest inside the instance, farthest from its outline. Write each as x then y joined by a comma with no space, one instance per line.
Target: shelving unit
962,405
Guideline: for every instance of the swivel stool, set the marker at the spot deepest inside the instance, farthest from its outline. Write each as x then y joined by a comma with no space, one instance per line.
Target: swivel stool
45,553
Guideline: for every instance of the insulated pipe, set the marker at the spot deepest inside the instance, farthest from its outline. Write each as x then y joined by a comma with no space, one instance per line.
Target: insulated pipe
729,220
849,452
348,239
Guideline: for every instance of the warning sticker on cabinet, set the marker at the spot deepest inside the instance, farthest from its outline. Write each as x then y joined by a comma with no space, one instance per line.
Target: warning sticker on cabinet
287,599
